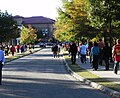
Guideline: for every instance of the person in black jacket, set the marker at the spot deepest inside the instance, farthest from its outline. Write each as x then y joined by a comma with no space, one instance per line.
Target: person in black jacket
106,55
55,50
73,50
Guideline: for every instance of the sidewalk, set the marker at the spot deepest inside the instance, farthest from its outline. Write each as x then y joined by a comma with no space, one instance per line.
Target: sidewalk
109,75
106,75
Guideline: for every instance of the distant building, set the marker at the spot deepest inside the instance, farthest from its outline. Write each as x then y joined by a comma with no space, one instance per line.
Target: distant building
42,24
19,20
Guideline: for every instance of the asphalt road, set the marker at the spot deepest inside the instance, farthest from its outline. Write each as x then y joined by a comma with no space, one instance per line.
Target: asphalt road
40,75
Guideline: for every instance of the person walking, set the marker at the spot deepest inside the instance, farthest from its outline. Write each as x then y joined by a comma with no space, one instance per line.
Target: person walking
22,48
106,55
55,50
95,53
12,49
69,53
116,56
79,55
73,50
6,50
2,60
90,45
18,48
58,52
83,51
101,45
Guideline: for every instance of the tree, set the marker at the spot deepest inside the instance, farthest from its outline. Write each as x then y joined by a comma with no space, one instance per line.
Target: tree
104,16
27,35
8,27
71,22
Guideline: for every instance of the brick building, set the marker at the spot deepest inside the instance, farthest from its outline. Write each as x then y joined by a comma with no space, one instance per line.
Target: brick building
42,24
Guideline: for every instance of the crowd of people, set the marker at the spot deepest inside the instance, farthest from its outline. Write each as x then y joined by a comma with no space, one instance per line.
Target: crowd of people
11,49
97,52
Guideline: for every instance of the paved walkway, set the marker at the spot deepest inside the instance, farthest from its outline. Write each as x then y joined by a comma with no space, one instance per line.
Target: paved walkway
109,75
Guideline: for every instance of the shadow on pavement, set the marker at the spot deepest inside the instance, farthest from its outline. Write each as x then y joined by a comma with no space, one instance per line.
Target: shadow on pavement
45,88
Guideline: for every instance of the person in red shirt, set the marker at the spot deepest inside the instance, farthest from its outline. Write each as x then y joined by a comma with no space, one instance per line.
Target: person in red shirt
18,48
116,55
12,49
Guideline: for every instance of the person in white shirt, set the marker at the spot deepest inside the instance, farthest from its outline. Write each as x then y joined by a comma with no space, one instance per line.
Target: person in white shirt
2,60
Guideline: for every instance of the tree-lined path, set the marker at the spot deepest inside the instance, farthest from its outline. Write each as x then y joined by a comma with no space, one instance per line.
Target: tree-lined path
39,75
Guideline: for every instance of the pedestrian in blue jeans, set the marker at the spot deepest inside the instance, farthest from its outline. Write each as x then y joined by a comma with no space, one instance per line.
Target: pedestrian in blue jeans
83,51
2,60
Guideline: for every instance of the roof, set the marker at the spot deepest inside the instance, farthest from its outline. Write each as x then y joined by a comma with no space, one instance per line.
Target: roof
38,20
17,16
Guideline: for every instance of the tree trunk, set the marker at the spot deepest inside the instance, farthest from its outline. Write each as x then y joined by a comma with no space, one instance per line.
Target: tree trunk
110,31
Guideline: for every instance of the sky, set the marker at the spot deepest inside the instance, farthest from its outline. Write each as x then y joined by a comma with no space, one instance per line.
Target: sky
28,8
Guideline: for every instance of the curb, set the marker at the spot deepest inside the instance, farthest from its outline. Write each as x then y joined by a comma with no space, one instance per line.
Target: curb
108,91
